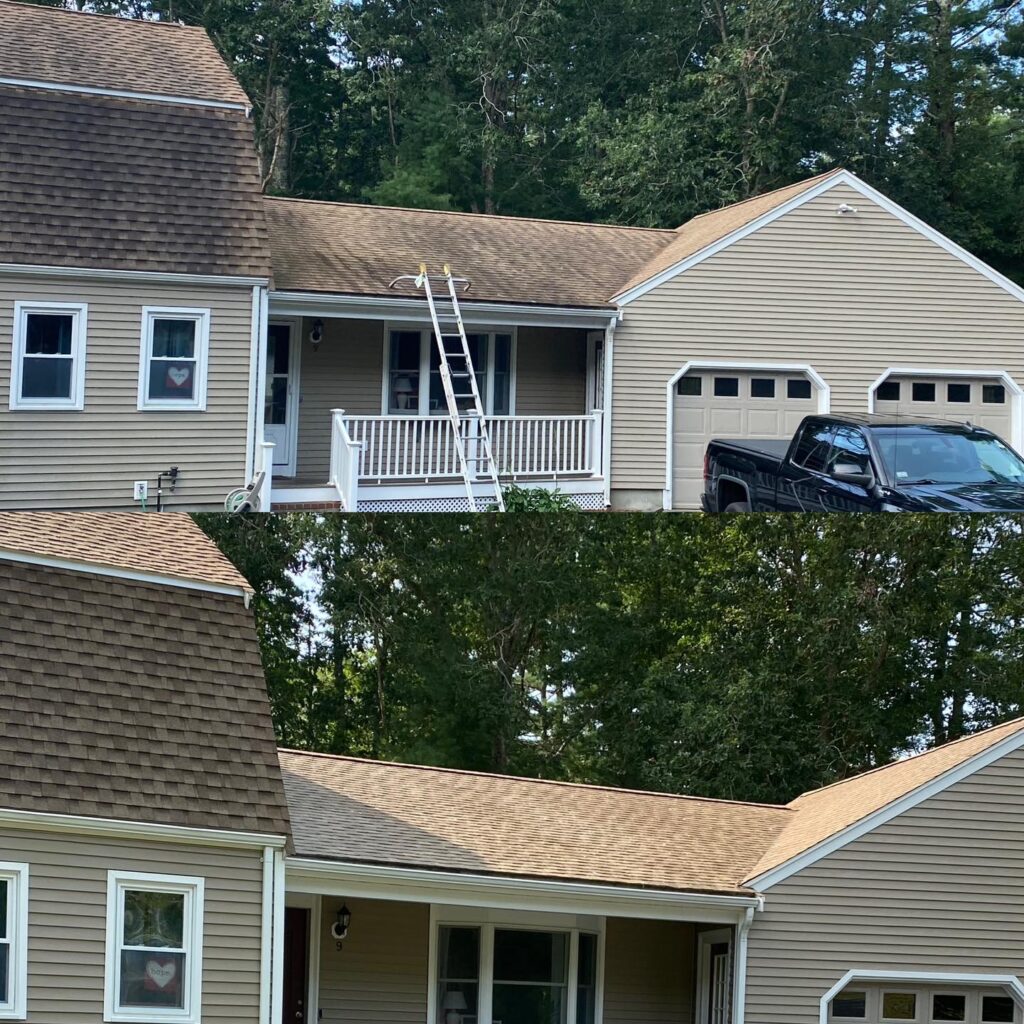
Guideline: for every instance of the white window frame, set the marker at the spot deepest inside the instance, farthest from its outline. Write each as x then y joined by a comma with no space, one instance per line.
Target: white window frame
16,876
487,920
201,316
426,341
79,311
118,882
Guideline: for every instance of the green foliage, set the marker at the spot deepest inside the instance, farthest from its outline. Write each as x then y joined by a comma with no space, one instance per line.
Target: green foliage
532,499
750,659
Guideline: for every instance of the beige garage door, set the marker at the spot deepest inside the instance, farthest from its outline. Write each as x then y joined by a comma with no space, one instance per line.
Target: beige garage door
985,402
731,403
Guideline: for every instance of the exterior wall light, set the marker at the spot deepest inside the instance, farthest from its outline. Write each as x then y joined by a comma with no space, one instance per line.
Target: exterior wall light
339,930
316,335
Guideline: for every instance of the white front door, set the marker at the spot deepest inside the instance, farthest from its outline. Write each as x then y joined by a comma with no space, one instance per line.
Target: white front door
280,414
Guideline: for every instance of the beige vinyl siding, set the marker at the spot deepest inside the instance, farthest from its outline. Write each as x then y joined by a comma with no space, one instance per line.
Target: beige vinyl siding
649,972
850,295
381,974
346,372
551,372
938,888
89,459
67,920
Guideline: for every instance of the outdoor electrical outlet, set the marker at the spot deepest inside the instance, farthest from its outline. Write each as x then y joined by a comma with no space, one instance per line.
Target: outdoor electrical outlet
141,490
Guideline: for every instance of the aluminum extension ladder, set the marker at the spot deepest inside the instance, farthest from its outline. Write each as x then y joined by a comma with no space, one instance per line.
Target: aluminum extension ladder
458,378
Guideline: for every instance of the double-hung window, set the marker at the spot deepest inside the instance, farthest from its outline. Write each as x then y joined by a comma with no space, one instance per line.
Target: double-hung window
175,348
413,385
48,367
13,940
154,948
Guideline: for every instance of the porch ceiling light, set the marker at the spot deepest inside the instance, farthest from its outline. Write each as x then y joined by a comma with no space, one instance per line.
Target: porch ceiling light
316,335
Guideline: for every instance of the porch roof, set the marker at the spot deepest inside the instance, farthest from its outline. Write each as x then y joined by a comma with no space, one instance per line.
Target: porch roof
367,812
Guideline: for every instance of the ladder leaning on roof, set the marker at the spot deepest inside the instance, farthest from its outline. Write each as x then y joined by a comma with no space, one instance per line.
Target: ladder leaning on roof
458,378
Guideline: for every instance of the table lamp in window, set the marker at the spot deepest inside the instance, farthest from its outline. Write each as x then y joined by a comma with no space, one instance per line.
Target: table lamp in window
454,1004
403,389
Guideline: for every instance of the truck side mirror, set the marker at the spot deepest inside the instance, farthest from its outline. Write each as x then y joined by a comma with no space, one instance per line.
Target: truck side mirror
851,473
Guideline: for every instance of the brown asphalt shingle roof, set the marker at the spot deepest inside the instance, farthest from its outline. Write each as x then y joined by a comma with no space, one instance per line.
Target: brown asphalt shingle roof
44,44
168,544
370,812
99,182
356,249
823,813
133,701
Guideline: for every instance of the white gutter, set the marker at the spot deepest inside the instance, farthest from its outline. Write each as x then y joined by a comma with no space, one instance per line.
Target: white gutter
159,277
606,427
124,94
739,986
277,959
266,934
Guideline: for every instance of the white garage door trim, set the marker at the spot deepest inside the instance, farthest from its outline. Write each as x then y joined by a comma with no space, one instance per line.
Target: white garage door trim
1016,437
1011,983
823,390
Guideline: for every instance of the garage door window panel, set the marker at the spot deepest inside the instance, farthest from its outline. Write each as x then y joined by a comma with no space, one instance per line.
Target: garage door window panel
762,387
993,394
949,1007
798,387
888,391
727,387
997,1010
899,1006
958,393
922,391
689,387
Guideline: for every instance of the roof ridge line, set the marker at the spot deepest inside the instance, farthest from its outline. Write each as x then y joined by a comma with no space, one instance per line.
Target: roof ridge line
1018,721
465,213
525,778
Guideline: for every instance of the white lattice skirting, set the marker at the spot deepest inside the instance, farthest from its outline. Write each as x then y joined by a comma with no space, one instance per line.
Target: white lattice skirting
587,502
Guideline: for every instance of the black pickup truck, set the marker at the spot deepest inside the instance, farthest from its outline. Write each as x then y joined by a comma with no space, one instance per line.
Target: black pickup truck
866,464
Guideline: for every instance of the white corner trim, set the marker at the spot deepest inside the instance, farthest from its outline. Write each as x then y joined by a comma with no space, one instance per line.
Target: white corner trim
192,888
266,931
1002,376
819,383
255,334
124,94
16,875
137,576
37,821
1008,981
840,178
107,274
767,879
200,317
79,313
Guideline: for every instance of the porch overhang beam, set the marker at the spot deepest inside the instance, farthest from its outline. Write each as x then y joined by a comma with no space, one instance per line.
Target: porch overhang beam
412,885
410,310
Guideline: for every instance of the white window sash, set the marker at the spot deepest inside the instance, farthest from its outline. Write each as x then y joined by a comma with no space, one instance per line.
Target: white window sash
118,884
14,1005
79,312
200,357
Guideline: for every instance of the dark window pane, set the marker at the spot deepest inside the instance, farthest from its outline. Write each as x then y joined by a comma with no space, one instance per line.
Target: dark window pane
460,953
688,386
3,910
899,1006
152,979
993,394
922,391
460,385
154,919
949,1007
49,334
502,373
588,959
276,410
278,348
849,448
997,1010
958,392
727,387
798,387
529,956
459,999
405,350
173,380
5,956
850,1004
529,1004
46,378
813,448
888,391
174,339
762,387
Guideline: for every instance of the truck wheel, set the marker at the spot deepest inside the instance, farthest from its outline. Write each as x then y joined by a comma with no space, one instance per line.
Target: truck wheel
738,506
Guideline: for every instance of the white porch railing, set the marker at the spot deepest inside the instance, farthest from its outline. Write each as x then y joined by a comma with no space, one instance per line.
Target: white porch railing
400,448
345,454
264,475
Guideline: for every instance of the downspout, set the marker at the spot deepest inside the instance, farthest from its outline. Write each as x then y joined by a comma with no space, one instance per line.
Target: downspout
606,426
261,370
739,986
254,348
266,933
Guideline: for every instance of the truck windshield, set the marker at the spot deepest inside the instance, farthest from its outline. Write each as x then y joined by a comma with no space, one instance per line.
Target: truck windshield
939,455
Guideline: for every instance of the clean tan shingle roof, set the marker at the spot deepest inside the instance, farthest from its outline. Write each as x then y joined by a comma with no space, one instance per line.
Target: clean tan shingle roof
358,250
823,813
168,544
370,812
708,228
46,44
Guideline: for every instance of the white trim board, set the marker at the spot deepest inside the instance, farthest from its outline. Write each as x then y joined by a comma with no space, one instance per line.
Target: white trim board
122,574
101,273
420,885
817,381
124,94
773,877
842,177
14,1007
1008,981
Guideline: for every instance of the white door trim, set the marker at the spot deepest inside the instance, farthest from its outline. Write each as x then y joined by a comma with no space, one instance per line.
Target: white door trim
1016,437
818,382
294,325
705,940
